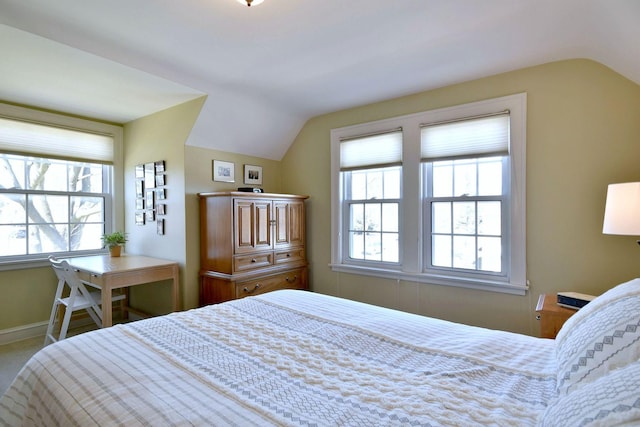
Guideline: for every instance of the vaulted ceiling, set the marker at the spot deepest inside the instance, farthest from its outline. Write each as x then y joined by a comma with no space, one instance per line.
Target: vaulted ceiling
267,69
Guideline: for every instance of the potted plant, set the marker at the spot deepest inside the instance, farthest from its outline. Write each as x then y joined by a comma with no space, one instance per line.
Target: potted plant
114,242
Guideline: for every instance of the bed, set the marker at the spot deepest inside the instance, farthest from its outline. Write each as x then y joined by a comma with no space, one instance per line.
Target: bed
301,358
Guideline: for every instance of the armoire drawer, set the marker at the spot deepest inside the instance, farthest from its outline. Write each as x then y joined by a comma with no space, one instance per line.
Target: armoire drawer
292,255
250,262
292,279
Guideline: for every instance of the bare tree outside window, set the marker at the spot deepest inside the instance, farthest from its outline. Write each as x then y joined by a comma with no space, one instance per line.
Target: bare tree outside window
50,205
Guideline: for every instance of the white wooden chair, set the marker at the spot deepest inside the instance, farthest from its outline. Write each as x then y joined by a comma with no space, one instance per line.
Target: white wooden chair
79,298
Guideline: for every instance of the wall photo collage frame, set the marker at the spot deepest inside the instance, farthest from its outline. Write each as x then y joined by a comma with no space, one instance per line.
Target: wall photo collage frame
151,194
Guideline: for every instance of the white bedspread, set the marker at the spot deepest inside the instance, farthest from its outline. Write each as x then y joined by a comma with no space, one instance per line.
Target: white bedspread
286,358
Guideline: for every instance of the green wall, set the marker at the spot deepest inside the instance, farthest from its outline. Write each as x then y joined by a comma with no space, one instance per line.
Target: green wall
582,134
160,136
27,296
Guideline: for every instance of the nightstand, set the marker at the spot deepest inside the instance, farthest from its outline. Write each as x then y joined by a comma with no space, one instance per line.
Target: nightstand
551,315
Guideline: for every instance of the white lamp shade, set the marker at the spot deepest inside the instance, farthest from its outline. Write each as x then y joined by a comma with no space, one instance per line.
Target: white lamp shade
622,210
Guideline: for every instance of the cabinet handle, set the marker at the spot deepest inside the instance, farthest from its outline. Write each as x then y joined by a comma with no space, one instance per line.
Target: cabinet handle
538,317
288,255
253,260
250,291
291,280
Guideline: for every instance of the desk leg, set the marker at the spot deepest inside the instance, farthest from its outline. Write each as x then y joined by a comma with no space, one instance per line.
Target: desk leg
107,315
124,305
176,288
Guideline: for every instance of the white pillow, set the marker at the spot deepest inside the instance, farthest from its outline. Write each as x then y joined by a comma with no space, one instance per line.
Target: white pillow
612,399
601,336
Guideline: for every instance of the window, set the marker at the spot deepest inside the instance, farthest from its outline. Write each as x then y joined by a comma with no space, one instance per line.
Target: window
371,174
450,211
466,195
465,219
56,184
373,203
51,205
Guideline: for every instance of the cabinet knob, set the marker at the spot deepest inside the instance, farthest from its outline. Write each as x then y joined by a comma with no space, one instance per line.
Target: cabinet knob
250,291
291,280
288,255
254,260
538,317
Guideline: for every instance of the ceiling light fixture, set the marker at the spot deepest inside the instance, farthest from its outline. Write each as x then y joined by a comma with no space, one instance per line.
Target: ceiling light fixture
250,2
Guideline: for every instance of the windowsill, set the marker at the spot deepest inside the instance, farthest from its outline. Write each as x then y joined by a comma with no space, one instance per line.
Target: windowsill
23,264
461,282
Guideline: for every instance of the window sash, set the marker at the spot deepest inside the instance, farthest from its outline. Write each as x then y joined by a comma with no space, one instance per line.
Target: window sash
61,219
504,199
430,234
381,234
349,201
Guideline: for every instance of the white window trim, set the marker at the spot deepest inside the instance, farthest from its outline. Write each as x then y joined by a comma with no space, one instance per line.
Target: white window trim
116,132
411,250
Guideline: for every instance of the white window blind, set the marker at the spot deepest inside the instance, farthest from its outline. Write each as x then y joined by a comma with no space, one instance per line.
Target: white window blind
23,137
476,137
377,150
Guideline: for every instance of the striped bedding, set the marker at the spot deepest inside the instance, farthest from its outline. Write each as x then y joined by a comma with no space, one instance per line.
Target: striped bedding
286,358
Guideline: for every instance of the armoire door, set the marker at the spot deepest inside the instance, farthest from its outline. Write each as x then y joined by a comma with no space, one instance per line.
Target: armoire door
252,227
289,223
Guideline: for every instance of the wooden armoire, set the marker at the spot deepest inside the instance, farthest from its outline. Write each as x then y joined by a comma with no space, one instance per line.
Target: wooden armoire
250,243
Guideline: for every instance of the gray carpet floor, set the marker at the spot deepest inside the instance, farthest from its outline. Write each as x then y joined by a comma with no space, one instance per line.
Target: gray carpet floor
13,356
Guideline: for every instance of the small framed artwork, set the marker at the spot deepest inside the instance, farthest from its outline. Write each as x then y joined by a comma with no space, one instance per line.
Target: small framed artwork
223,171
139,218
149,203
151,215
161,227
161,194
139,203
159,166
139,187
149,175
139,171
253,174
160,180
161,209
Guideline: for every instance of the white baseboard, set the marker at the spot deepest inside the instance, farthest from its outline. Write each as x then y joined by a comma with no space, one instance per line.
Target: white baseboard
33,330
23,332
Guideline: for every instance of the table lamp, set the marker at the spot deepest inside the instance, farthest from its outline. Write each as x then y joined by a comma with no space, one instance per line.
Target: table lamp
622,209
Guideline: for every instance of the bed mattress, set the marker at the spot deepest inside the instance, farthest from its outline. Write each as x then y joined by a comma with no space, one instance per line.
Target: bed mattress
286,358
